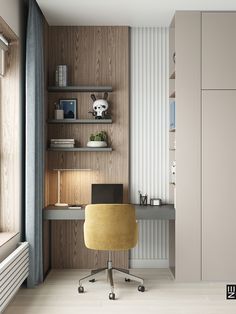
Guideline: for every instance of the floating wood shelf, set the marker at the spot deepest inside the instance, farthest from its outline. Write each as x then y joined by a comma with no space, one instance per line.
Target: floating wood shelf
172,76
80,121
85,89
171,130
172,95
80,149
172,149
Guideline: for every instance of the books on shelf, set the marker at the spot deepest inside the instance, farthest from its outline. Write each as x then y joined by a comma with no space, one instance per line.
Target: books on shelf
75,206
172,115
60,142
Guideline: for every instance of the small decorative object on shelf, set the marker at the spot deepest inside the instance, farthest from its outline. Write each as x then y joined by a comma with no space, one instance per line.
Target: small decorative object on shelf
100,107
58,112
174,57
155,202
61,75
142,199
98,139
69,108
172,115
173,171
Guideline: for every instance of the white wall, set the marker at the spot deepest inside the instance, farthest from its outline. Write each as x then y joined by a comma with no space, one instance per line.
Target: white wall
149,138
10,12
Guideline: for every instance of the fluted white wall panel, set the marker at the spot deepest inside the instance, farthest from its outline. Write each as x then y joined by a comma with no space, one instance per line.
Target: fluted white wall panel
149,135
149,112
152,248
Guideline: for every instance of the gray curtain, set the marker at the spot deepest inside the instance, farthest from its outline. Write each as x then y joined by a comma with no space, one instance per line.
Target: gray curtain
34,141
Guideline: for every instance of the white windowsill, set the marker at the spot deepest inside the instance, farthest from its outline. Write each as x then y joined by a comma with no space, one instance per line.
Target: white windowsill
8,243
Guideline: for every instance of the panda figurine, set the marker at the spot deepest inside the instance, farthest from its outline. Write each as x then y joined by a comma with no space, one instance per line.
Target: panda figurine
100,107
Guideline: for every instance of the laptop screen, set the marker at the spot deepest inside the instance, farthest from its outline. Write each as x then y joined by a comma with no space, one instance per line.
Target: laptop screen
107,193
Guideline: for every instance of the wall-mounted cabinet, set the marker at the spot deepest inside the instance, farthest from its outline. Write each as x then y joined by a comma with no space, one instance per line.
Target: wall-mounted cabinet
218,50
205,88
218,144
218,184
185,145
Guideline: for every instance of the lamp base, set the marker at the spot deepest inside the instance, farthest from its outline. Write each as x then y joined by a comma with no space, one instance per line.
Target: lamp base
61,204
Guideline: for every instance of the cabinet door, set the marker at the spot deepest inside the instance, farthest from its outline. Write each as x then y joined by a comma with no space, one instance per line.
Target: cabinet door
218,185
218,50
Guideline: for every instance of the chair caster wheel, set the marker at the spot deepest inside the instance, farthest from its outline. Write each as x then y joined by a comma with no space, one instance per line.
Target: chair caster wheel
141,288
111,296
127,279
92,280
81,289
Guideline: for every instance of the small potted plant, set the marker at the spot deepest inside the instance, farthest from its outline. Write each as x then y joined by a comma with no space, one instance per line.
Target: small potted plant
98,139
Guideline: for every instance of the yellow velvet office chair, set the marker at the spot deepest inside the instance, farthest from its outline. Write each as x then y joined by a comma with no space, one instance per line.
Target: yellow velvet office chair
110,227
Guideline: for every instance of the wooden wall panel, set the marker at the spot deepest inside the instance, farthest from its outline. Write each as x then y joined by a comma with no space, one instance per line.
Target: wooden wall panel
10,137
68,249
95,56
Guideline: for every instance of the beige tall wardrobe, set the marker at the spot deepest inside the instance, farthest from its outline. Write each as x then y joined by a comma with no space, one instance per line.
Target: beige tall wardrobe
205,96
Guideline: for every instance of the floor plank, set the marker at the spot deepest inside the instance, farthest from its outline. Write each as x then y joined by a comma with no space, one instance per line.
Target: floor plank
58,295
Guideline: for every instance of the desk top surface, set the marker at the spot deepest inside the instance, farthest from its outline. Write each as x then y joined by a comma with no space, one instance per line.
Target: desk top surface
163,212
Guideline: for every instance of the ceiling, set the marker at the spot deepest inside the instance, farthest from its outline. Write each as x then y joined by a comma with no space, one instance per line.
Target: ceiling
123,12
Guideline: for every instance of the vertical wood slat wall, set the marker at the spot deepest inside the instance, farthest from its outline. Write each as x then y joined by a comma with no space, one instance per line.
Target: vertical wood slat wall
149,113
95,56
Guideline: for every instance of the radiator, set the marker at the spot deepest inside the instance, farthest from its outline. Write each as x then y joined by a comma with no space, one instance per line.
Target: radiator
13,271
152,250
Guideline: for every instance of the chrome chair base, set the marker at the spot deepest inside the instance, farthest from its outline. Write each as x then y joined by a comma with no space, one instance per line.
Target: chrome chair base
109,269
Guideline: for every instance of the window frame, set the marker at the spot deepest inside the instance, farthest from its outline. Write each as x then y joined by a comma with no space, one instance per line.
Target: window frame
3,48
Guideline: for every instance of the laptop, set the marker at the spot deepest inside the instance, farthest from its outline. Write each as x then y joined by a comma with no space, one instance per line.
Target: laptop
107,193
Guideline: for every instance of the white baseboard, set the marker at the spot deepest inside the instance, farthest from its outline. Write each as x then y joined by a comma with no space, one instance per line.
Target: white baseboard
149,263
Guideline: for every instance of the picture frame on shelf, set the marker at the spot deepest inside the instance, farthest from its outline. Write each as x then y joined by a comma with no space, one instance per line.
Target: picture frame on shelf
69,107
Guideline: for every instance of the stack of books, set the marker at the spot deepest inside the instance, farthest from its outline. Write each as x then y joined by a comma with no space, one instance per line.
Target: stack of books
62,143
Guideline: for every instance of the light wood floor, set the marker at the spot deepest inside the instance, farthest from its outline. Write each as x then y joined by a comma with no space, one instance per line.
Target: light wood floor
58,294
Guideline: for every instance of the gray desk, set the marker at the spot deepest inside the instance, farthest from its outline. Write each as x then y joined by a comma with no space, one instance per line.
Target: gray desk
163,212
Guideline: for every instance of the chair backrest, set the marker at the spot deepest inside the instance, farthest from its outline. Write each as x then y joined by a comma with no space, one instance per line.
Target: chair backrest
110,227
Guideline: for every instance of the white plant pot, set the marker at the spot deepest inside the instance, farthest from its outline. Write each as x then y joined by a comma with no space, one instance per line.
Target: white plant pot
97,144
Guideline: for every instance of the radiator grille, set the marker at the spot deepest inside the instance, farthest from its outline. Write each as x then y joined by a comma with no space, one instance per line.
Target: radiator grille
152,247
13,271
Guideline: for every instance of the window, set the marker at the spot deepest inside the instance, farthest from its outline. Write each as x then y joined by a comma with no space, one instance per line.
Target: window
11,144
3,48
